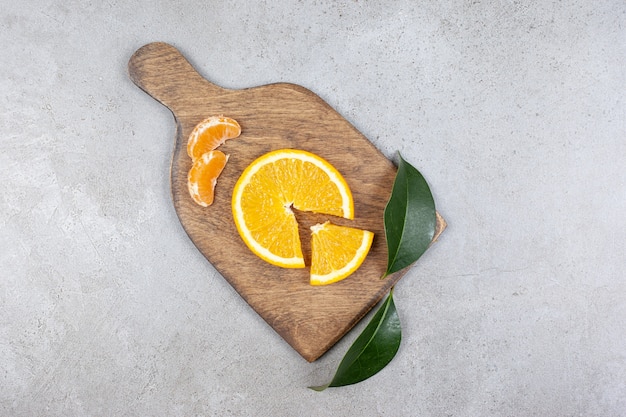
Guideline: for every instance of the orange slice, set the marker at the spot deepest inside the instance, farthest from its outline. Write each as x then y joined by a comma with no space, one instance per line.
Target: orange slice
211,133
267,190
203,175
337,251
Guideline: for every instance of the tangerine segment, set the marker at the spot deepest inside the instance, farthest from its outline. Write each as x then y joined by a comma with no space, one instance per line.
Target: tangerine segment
268,189
211,133
337,251
203,175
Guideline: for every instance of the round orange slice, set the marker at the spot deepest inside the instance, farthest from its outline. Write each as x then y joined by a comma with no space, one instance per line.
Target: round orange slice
267,190
203,176
211,133
337,251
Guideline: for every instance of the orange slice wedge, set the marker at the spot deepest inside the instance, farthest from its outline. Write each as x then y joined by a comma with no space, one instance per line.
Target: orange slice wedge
337,251
211,133
267,190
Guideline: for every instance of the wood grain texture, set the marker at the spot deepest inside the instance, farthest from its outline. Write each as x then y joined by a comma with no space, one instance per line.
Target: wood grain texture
311,319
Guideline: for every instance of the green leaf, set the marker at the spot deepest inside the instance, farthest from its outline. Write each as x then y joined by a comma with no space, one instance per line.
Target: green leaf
410,218
372,350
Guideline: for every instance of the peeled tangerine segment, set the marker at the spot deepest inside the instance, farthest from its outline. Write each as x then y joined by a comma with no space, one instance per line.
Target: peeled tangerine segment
211,133
337,252
203,176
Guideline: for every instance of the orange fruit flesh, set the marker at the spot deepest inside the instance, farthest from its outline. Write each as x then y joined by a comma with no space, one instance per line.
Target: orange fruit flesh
211,133
262,204
203,175
270,187
293,182
337,252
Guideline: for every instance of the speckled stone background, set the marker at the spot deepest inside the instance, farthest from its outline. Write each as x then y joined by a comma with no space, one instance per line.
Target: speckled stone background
514,111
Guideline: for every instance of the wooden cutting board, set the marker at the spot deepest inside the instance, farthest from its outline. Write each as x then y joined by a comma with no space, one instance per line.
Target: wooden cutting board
311,319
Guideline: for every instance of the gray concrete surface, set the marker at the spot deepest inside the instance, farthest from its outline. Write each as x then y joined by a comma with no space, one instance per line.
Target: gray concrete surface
513,110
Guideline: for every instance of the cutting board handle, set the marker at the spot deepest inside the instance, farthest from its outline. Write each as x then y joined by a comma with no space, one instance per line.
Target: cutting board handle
163,72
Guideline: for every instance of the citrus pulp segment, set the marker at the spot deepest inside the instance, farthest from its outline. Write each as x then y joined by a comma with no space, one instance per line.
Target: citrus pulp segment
211,133
270,187
203,174
337,251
